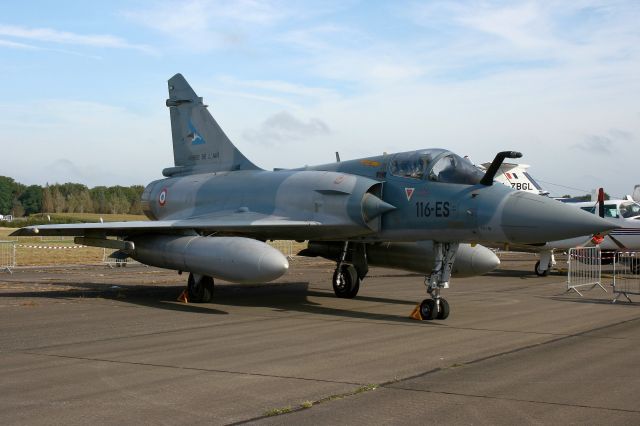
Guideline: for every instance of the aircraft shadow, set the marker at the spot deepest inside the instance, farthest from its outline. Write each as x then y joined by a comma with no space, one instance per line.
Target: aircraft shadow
284,297
294,297
519,273
621,301
153,297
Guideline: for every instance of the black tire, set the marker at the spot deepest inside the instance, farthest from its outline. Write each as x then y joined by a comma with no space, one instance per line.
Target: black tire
207,289
349,283
443,311
196,290
428,309
538,272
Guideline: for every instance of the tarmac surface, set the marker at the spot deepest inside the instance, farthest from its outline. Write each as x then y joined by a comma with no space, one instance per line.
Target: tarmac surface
112,346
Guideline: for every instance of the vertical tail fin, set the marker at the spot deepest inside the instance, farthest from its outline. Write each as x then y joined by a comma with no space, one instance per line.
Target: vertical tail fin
199,144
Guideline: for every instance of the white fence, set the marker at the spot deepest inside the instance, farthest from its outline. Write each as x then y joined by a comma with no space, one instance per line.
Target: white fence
626,275
116,262
285,246
585,268
7,256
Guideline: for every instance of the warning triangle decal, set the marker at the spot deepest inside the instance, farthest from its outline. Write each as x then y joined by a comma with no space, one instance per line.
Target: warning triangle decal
409,193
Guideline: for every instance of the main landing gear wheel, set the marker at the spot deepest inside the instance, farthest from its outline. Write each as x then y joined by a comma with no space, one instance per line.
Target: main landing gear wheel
443,309
200,288
430,309
346,282
539,272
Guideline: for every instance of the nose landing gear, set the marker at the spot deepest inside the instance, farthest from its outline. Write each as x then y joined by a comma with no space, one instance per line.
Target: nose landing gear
348,277
437,307
346,282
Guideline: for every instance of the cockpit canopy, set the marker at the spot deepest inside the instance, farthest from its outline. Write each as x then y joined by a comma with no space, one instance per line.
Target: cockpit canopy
436,165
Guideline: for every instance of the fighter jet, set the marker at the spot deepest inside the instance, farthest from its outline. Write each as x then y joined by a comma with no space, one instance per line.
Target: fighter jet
214,210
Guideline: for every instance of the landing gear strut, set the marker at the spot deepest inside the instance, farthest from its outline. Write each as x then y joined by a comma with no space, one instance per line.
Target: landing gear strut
437,307
347,278
544,265
200,288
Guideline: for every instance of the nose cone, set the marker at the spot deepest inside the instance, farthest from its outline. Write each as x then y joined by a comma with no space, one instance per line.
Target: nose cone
474,260
273,264
530,218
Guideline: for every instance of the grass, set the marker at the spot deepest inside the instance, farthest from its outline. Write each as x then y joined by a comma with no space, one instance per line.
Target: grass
278,411
366,388
308,404
95,217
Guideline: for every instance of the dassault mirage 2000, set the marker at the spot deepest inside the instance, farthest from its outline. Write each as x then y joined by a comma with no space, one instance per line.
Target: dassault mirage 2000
215,209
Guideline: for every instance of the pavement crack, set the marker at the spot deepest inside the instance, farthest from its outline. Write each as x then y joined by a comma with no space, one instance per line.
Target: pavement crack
521,349
500,398
175,367
308,404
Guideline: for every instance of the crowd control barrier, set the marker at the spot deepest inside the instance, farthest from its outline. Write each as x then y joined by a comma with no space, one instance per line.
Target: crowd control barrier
585,268
626,275
114,259
7,256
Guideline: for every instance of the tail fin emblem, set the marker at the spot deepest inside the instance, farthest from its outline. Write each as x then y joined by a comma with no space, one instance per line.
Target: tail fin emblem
196,138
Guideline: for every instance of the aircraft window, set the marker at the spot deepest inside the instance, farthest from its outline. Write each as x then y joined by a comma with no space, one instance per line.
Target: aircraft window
629,210
412,165
610,210
453,169
589,209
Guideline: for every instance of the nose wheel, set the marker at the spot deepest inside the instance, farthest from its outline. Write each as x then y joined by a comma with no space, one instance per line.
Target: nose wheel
434,309
346,282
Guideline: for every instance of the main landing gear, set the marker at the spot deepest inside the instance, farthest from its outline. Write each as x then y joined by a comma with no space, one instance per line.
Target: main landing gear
544,265
347,277
437,307
199,288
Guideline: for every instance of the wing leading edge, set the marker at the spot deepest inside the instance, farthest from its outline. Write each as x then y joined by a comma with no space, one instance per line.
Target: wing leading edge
245,223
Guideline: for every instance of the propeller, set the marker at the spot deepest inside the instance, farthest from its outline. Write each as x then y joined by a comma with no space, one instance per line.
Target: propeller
599,238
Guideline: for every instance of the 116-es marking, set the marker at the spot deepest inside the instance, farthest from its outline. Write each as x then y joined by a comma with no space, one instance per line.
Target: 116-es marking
428,209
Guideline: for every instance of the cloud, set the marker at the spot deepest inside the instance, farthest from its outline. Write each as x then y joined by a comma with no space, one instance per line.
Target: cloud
57,140
48,35
605,144
16,45
203,25
596,144
284,127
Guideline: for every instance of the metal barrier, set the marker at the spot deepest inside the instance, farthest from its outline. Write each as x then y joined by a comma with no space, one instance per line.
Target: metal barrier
626,275
7,256
112,260
285,246
585,268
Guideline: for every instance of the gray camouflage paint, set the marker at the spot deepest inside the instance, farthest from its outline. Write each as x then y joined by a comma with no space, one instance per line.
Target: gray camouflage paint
214,189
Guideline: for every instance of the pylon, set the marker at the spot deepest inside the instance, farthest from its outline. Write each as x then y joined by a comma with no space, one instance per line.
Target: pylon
415,314
184,296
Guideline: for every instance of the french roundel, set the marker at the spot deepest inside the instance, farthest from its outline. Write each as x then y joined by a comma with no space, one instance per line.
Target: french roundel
162,198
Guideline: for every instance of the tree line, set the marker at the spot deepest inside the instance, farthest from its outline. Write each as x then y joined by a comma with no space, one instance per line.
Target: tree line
20,200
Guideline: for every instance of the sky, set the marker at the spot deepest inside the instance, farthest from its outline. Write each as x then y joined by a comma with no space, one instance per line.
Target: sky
291,82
